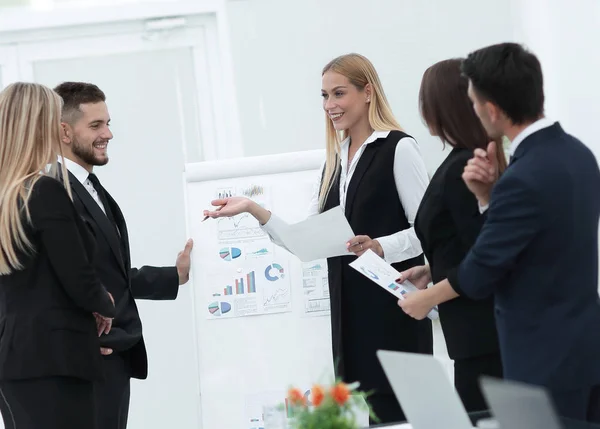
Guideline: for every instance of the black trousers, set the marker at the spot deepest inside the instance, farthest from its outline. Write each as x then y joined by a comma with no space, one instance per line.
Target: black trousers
466,378
386,408
581,404
111,396
48,403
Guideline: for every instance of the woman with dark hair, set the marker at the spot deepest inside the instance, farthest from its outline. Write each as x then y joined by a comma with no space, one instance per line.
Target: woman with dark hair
447,224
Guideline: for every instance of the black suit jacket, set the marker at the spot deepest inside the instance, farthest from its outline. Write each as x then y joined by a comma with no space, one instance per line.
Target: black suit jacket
447,224
46,323
113,265
537,253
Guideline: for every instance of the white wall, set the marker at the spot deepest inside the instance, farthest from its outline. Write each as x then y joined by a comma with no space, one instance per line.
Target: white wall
280,47
565,36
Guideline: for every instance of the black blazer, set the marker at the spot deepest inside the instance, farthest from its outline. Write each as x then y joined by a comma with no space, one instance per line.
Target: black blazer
537,253
113,265
447,224
46,323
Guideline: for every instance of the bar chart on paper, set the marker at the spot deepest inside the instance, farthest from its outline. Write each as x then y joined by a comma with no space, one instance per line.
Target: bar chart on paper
264,290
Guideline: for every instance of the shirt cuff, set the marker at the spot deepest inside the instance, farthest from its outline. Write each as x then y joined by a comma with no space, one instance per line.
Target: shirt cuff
482,209
400,246
273,227
390,255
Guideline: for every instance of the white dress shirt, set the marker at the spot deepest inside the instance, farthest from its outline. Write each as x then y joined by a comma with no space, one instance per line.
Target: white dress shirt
410,176
538,125
82,175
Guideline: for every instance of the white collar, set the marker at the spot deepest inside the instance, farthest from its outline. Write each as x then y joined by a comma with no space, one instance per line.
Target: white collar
532,128
376,135
76,170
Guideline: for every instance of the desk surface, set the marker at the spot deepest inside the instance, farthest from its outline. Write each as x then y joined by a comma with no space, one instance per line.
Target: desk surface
394,426
567,423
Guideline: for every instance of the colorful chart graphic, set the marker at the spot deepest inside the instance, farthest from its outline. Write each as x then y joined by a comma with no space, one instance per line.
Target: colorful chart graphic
241,226
256,424
279,273
253,191
315,267
369,273
218,308
249,280
261,252
393,286
229,253
276,296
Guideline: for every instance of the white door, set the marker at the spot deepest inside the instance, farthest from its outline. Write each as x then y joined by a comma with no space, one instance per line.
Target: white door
9,70
159,94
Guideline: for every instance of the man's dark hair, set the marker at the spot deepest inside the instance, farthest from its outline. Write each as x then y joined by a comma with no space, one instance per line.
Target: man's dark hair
510,77
74,94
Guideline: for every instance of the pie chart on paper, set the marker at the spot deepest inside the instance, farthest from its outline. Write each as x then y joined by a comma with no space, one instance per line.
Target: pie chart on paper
274,272
229,253
218,308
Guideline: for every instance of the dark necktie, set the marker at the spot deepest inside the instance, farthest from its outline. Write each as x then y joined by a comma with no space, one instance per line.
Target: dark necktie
102,194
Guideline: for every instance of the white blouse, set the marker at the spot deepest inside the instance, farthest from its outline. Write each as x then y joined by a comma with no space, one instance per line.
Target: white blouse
410,176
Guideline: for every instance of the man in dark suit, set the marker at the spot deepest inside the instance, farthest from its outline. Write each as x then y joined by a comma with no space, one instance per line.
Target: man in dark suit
537,252
86,135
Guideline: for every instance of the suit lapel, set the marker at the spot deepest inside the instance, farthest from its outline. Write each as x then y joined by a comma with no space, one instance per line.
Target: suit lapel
120,220
99,217
361,168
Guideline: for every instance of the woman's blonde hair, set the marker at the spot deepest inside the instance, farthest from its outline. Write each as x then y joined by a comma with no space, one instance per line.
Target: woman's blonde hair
30,117
359,72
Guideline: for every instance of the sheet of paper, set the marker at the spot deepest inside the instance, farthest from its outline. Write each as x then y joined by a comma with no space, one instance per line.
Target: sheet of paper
320,236
380,272
315,284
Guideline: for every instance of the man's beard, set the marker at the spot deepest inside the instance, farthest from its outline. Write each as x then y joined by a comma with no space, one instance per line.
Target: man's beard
86,154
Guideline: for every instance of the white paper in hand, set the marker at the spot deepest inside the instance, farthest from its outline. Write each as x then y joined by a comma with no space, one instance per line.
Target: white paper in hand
380,272
321,236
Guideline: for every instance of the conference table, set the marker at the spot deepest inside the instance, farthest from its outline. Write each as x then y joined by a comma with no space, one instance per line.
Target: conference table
475,417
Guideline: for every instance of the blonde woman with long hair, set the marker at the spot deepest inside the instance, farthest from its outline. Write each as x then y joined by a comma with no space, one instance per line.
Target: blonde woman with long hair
375,172
49,294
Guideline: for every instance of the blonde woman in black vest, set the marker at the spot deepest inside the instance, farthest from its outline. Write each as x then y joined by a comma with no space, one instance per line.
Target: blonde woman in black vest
376,173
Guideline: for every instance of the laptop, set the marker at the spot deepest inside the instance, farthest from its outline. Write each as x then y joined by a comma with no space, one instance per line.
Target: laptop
518,405
424,391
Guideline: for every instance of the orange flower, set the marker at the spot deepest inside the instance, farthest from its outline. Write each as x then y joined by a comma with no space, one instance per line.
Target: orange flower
296,397
317,395
340,393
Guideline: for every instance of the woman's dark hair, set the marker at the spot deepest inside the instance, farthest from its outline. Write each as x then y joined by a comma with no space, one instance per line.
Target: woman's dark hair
447,110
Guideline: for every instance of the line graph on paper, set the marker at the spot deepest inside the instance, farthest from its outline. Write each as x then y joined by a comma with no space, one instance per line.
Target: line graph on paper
242,226
277,296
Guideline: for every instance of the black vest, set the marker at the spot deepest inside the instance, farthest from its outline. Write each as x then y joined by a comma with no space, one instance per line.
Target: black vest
364,317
